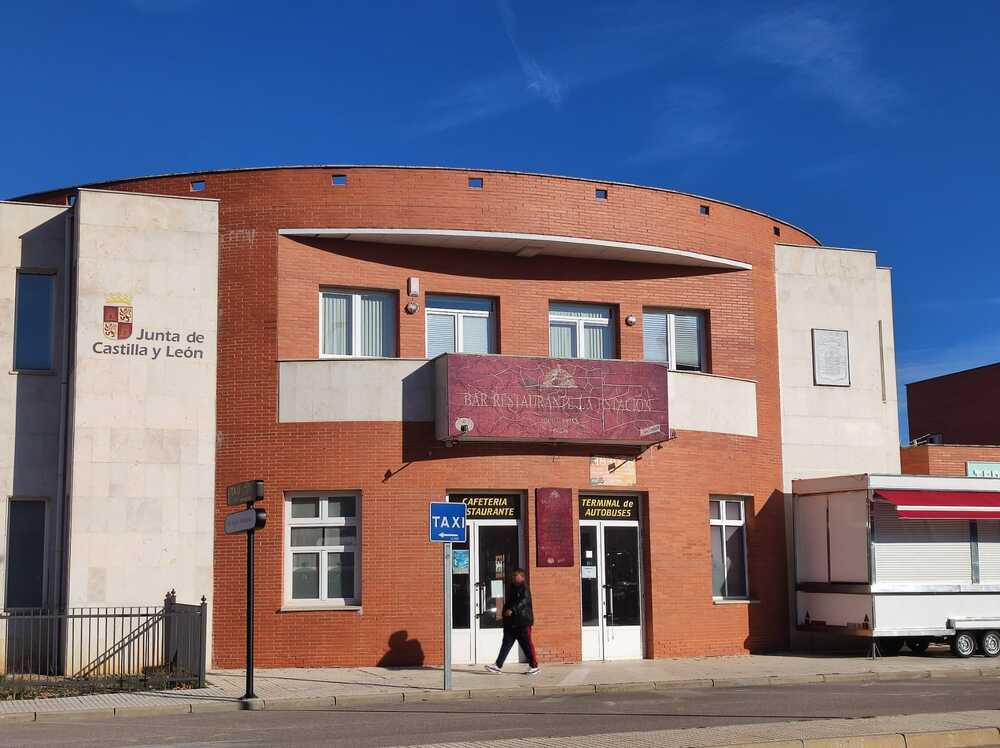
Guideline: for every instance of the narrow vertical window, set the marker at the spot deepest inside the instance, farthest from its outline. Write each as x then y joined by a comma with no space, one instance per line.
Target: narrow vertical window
460,324
581,331
675,337
357,323
26,554
727,525
34,321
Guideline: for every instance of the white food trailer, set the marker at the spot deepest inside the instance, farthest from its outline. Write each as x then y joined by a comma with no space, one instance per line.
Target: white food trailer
901,559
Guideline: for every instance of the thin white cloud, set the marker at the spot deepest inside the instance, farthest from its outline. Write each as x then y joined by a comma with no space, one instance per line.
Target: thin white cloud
596,57
916,364
689,120
964,301
538,80
826,54
922,363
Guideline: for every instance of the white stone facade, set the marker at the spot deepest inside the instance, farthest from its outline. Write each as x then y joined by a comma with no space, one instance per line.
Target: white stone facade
143,420
835,430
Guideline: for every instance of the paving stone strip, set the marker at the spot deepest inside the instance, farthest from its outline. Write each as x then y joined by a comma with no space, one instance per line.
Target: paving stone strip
913,731
214,699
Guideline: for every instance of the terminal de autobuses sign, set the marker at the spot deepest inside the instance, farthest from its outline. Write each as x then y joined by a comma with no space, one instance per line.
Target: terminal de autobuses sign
609,507
510,398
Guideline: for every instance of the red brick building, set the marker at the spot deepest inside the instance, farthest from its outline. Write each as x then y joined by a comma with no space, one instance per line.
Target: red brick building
955,418
957,408
340,289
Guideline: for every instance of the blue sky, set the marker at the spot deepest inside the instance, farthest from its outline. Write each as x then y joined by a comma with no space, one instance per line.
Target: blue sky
870,124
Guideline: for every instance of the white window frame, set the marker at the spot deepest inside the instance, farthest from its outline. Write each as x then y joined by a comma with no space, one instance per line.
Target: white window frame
723,522
458,315
322,521
672,313
355,294
582,323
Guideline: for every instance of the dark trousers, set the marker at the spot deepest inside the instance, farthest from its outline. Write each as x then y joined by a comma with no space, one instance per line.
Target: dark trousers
521,635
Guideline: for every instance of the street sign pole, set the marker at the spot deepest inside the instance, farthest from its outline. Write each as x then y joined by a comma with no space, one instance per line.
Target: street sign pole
250,519
249,694
447,526
447,616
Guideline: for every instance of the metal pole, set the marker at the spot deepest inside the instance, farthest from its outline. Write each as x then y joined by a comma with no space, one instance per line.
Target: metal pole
250,694
447,616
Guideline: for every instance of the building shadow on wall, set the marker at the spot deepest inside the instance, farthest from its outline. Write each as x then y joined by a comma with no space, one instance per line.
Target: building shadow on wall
768,620
498,265
34,511
403,651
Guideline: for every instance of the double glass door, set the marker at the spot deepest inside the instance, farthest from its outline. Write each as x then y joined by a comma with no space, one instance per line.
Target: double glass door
611,590
482,570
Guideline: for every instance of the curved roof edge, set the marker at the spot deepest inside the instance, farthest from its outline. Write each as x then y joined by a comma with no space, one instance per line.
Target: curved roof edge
414,167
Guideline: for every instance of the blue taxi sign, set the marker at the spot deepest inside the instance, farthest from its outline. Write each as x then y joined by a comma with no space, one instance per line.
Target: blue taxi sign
447,524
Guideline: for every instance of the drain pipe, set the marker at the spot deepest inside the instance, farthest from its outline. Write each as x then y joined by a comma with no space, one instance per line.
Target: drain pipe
62,482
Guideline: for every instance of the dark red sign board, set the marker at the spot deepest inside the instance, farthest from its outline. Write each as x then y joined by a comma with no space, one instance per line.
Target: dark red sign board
554,527
510,398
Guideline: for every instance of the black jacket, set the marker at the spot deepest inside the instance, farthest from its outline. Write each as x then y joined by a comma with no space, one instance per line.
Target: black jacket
519,604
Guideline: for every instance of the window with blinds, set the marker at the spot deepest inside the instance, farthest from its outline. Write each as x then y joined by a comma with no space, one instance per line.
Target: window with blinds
581,331
460,324
675,337
357,323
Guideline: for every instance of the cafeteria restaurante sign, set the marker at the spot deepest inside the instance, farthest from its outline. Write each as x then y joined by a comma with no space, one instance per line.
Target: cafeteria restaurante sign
508,398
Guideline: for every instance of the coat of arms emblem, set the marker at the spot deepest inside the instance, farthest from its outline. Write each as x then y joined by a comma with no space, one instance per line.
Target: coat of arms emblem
558,377
118,316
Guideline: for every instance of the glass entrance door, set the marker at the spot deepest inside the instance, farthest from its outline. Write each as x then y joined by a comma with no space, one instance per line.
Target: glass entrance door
611,590
481,573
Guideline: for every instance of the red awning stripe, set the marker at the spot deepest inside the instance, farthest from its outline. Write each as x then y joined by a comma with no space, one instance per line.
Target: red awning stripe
943,504
905,513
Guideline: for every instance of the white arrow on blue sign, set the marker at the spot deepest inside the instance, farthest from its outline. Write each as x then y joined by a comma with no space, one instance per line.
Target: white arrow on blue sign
447,522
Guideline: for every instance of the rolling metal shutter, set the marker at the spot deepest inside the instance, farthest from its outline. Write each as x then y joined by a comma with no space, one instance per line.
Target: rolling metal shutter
989,551
920,551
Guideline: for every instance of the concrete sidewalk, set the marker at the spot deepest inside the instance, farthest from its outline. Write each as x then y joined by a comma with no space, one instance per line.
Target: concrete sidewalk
289,687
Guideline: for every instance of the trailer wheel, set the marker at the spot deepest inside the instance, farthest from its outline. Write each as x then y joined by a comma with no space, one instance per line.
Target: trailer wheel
918,646
889,646
989,642
963,644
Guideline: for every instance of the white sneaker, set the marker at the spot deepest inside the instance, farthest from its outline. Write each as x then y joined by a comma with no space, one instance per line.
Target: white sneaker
533,671
493,668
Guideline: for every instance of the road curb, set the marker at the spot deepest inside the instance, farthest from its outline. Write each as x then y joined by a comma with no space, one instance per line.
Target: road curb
977,736
71,714
222,704
454,695
626,687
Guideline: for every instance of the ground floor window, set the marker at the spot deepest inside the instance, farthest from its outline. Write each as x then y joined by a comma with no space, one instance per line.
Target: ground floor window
727,524
322,549
26,554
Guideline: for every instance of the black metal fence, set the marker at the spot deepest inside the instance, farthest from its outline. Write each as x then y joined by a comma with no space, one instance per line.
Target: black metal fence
82,650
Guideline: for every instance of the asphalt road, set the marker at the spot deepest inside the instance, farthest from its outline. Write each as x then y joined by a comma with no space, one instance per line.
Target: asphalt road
577,715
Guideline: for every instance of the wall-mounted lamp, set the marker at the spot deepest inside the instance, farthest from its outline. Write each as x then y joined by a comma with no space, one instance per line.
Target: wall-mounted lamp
413,287
411,308
630,320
